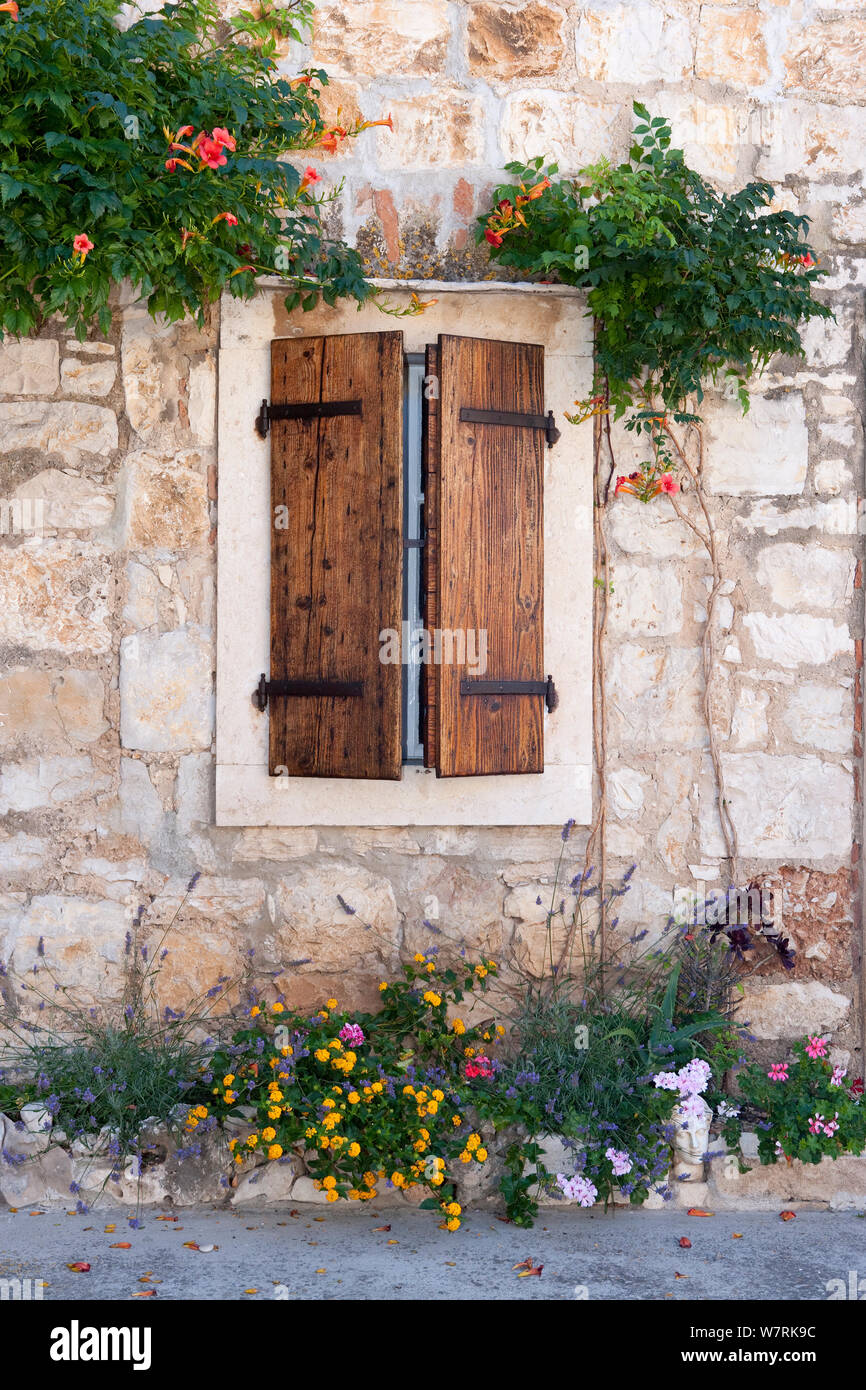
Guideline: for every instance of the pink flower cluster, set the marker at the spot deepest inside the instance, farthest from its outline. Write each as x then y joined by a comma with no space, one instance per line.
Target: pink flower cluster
482,1066
778,1071
839,1074
818,1125
816,1047
352,1034
620,1161
690,1080
578,1189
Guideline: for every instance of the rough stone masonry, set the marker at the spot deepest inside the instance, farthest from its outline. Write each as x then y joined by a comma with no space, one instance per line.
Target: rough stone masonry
107,612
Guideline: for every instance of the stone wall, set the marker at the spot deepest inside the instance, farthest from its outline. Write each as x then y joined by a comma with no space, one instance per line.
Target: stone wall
101,802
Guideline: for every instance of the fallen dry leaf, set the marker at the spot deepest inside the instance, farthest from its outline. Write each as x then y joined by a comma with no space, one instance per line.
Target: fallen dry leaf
698,1211
525,1264
685,1243
166,1218
109,1230
452,1264
250,1290
190,1245
788,1215
294,1212
120,1245
392,1242
320,1271
737,1235
145,1293
680,1276
528,1273
381,1228
79,1267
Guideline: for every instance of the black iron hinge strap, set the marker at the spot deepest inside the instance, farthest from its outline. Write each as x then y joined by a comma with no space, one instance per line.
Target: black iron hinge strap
509,417
307,410
482,687
304,689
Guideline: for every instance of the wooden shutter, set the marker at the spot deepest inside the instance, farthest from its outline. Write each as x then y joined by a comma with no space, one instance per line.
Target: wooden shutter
336,555
486,561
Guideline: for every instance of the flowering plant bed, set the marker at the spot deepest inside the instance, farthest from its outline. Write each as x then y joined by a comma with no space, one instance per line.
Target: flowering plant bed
810,1108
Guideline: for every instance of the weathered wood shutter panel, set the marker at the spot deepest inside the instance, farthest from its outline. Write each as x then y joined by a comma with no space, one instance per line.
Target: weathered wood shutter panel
336,555
489,548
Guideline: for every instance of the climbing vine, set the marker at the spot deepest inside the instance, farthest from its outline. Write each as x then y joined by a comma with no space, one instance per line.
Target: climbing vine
157,154
688,288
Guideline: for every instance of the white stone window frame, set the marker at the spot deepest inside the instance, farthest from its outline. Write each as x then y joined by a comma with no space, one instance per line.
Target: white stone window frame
246,795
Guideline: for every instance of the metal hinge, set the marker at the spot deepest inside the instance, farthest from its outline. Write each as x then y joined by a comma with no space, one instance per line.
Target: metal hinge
509,417
304,690
309,410
481,687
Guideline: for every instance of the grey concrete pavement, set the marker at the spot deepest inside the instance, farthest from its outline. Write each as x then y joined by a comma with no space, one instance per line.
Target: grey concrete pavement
335,1254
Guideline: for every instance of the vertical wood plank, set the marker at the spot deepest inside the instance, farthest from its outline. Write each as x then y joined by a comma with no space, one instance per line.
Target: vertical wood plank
491,554
431,451
336,555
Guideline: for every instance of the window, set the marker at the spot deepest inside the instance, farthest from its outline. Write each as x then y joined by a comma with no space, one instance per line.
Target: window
406,670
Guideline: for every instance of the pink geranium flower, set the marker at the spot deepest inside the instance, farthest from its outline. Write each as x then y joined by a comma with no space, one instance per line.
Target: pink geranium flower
482,1066
352,1034
816,1047
778,1071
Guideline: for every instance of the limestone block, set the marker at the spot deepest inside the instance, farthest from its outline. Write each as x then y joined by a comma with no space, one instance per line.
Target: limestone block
794,639
87,378
633,43
828,58
646,600
820,715
66,428
43,708
515,44
837,517
840,1184
54,595
793,1009
447,133
28,367
654,697
849,223
194,791
38,782
141,812
783,806
84,941
569,129
732,47
166,690
373,37
625,790
276,845
313,925
272,1183
168,507
651,531
69,502
43,1180
828,342
806,576
761,453
465,910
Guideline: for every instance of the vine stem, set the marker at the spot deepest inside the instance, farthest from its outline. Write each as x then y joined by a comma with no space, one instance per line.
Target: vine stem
708,639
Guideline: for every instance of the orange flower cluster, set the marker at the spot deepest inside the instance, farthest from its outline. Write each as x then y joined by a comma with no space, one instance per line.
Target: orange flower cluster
646,486
208,149
332,138
508,215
